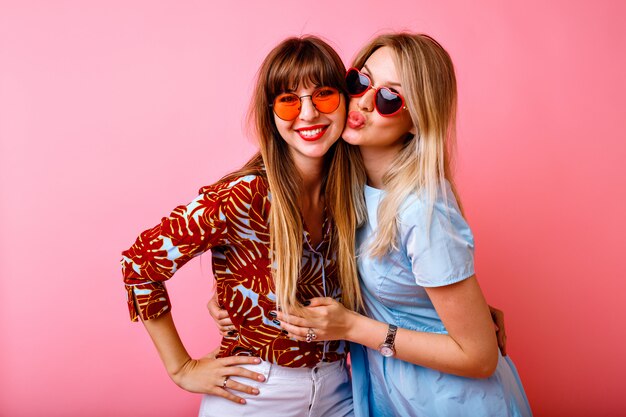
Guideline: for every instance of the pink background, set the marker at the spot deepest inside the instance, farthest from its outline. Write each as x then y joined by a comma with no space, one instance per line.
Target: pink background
113,112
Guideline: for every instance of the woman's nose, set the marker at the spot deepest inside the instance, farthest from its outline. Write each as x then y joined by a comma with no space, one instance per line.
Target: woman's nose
307,109
366,101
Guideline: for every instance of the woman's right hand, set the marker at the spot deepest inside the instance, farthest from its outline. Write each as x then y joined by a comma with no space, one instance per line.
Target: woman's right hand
221,318
208,375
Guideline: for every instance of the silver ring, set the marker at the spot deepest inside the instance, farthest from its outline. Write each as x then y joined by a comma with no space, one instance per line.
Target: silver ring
310,335
224,383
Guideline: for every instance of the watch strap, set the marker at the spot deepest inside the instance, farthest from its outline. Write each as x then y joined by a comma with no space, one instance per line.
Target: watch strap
391,334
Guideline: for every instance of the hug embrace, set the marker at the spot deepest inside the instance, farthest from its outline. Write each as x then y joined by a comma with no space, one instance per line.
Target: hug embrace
343,236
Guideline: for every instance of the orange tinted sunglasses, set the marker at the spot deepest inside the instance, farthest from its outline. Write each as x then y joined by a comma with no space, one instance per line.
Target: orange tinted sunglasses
287,106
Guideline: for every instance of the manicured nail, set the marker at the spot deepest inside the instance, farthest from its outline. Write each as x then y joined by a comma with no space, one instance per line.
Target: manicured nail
306,303
273,314
255,391
231,332
276,322
242,401
261,378
285,332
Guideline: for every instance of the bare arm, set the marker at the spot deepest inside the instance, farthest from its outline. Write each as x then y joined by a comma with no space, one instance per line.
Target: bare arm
205,375
469,349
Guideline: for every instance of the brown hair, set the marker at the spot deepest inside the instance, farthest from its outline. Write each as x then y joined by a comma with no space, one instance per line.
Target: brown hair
293,62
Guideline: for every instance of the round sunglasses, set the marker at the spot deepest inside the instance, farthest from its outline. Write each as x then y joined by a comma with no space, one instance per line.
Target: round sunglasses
387,102
287,106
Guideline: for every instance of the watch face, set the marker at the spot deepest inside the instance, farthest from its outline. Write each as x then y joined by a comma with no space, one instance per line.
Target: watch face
386,351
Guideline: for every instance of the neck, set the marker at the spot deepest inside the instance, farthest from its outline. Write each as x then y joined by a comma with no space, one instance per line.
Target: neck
377,161
312,173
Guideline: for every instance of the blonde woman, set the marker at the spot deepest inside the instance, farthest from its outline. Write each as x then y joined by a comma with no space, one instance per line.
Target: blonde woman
425,345
289,208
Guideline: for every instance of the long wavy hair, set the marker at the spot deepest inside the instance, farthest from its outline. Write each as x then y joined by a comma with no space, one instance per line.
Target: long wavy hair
425,162
293,62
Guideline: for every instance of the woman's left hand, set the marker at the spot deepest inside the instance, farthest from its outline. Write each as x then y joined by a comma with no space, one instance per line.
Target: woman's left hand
498,321
324,318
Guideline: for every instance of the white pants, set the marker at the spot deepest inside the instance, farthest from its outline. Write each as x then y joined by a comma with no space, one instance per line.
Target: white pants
323,391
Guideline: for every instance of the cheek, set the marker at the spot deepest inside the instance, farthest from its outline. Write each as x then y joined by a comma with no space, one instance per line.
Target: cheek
282,126
400,122
341,117
390,129
407,123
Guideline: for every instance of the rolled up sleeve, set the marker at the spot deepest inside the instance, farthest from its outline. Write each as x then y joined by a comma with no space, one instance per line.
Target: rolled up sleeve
159,252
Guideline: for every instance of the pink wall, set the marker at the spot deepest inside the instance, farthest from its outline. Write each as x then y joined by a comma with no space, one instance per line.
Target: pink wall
112,113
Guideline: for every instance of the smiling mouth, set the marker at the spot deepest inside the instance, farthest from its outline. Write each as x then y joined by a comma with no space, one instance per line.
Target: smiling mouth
312,133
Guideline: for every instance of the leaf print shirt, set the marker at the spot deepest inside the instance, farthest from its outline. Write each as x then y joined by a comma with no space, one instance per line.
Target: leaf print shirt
231,219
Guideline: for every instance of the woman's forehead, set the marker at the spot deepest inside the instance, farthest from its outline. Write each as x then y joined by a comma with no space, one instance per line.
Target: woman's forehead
299,81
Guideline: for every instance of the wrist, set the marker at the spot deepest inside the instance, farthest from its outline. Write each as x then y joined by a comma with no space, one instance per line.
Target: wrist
367,332
176,370
354,327
387,347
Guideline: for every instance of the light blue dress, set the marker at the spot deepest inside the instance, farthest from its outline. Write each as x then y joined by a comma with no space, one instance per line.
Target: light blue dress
393,292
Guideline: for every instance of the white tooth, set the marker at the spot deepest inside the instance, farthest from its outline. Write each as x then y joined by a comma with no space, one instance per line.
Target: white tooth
311,133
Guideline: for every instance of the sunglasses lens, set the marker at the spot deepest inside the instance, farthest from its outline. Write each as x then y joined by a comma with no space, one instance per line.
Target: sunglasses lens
287,106
388,102
357,83
326,99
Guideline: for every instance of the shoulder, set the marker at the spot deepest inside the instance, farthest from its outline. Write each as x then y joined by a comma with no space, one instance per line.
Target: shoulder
434,222
237,184
238,197
437,239
418,209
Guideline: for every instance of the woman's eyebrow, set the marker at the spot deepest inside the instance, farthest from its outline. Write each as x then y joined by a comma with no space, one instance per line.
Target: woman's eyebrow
390,84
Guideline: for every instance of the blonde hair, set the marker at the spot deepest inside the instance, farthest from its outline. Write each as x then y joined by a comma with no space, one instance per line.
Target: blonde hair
300,61
424,163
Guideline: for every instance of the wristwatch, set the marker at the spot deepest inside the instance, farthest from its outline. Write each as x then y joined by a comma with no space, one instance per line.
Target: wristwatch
387,348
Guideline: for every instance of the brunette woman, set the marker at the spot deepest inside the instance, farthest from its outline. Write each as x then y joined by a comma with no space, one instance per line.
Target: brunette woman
280,231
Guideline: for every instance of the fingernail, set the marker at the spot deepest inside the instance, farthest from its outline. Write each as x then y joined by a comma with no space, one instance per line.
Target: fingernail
306,303
276,322
242,401
273,314
261,378
257,360
284,332
230,332
255,391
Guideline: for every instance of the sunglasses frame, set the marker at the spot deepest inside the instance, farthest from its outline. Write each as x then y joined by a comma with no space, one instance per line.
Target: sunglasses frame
273,106
377,90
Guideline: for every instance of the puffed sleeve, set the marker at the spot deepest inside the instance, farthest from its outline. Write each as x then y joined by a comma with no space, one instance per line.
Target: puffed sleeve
160,251
441,252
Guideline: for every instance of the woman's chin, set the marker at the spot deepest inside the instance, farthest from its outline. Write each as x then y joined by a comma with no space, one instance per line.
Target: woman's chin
351,136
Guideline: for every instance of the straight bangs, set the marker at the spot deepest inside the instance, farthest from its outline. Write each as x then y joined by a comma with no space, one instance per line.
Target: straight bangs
295,62
308,63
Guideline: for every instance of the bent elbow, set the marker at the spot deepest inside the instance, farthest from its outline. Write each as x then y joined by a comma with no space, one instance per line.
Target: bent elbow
486,366
487,370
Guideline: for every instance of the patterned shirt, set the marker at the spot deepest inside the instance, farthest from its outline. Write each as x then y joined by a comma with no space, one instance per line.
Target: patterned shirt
231,219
